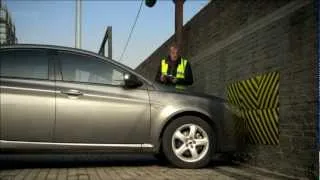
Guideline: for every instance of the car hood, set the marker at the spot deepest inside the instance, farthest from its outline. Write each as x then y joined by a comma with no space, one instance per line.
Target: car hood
188,92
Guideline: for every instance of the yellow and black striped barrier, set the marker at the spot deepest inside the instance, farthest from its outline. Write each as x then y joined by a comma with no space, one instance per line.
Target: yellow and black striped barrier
257,100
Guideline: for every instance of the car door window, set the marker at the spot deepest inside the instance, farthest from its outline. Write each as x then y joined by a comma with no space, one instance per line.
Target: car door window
30,64
84,69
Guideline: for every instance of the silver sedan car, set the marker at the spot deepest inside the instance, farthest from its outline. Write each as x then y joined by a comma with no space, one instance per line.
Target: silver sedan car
58,99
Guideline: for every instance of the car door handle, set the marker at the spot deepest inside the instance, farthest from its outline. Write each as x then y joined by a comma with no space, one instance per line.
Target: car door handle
72,92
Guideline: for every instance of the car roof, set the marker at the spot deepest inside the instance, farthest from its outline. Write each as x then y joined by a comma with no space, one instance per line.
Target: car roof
52,47
69,49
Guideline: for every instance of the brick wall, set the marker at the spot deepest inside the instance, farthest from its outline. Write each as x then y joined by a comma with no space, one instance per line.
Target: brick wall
228,41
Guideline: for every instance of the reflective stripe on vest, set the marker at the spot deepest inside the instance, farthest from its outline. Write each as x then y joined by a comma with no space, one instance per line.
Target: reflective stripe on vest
164,67
180,69
180,87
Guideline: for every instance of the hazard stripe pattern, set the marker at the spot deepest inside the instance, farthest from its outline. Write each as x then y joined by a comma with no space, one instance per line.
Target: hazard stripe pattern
257,100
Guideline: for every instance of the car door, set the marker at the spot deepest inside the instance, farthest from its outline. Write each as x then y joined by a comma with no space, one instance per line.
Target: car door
93,107
27,96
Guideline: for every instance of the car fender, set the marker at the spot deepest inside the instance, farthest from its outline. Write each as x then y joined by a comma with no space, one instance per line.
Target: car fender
166,115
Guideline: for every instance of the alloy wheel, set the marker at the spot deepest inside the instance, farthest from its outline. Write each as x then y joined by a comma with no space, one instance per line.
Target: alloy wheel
190,143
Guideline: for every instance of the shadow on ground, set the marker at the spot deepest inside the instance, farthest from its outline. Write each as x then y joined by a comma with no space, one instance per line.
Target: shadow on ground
9,161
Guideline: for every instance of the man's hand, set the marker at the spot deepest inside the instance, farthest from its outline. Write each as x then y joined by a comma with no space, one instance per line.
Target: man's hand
163,78
174,80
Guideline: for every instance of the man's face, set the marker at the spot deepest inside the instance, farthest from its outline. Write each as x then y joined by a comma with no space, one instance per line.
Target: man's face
173,53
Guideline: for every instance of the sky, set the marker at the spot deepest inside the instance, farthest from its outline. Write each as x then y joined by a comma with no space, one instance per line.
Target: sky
53,22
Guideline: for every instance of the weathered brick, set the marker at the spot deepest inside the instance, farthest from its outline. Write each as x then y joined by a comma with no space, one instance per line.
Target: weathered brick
286,45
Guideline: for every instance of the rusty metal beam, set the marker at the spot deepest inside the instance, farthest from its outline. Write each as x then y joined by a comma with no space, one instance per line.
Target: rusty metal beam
178,22
107,37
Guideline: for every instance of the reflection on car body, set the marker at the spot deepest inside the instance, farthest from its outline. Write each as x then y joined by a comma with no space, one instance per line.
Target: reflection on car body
63,99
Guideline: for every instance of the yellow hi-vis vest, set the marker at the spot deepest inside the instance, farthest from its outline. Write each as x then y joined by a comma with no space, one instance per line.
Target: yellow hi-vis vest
180,70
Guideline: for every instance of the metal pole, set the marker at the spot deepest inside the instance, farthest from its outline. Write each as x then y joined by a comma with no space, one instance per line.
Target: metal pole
110,42
179,22
107,37
78,24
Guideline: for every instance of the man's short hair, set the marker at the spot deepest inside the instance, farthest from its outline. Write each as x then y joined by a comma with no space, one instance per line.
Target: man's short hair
173,45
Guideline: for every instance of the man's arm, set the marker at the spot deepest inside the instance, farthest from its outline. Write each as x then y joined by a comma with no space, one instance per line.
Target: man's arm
188,80
158,75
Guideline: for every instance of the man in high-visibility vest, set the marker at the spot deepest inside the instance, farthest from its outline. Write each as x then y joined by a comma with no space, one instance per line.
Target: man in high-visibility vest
175,70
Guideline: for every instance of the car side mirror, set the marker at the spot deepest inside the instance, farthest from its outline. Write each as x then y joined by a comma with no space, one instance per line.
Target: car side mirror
131,81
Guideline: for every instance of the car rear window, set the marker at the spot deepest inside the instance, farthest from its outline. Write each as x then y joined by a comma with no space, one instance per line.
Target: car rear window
30,64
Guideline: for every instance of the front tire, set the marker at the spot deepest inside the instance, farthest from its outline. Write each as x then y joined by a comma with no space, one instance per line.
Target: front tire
188,142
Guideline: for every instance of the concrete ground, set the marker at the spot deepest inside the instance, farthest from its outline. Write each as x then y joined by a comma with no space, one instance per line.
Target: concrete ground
124,167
